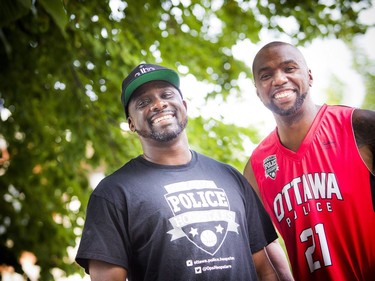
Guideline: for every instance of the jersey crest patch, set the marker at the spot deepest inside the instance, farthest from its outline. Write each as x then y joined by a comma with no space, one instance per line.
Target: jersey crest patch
201,214
270,166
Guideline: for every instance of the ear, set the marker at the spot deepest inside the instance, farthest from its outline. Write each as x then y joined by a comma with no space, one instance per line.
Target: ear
256,91
255,86
311,79
131,124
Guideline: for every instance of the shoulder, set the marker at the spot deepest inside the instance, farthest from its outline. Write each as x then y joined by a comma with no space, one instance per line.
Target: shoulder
248,170
364,127
201,158
266,146
220,168
338,110
124,174
336,117
363,117
250,176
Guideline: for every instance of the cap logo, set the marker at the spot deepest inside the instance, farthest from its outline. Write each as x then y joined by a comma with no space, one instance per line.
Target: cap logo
144,71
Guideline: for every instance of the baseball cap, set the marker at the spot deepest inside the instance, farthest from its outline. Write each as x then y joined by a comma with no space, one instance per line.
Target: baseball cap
144,73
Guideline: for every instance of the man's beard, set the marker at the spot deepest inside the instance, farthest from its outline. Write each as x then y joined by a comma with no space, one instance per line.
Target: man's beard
289,111
164,136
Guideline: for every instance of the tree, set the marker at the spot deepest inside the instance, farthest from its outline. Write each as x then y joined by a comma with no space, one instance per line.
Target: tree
62,63
369,101
335,90
366,67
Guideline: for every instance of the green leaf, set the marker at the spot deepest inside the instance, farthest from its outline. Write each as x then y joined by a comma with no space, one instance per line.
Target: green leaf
11,10
56,9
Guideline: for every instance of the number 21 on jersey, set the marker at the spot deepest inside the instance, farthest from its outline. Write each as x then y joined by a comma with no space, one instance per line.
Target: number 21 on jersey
310,235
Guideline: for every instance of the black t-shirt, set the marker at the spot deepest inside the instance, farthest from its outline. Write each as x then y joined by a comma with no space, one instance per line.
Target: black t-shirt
199,221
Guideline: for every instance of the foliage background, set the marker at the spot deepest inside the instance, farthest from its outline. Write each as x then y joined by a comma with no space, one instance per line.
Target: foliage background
62,64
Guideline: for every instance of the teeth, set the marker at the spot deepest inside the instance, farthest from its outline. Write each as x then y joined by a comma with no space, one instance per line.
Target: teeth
157,120
283,94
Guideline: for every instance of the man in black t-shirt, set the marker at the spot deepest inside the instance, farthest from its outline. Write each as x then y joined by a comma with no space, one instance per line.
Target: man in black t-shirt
171,213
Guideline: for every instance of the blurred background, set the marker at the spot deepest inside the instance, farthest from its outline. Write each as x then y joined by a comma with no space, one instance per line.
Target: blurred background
62,125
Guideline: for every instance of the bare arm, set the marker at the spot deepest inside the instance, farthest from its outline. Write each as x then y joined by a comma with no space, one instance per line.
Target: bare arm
364,131
274,251
279,261
264,269
102,271
249,175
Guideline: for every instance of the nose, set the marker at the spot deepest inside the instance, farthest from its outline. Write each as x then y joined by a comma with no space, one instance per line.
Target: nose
280,78
158,104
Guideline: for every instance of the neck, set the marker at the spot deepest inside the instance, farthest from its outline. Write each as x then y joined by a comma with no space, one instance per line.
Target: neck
292,130
175,152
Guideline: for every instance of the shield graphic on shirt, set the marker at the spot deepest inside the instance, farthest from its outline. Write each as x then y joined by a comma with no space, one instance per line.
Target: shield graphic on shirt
270,166
201,214
207,236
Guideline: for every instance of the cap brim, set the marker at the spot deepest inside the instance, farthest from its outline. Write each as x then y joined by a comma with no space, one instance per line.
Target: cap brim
167,75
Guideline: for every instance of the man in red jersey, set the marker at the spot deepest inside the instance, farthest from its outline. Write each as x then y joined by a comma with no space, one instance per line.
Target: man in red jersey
315,172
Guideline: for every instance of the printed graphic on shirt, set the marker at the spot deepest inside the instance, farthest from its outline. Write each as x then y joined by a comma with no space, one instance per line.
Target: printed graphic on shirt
206,265
201,214
270,166
305,194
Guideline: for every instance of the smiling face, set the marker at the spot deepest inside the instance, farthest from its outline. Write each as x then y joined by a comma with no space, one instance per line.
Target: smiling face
282,78
157,112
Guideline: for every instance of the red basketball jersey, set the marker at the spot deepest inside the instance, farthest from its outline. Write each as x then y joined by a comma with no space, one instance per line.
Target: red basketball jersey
320,199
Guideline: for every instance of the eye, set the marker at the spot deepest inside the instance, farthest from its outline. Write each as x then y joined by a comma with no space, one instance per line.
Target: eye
142,103
265,76
290,69
168,94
